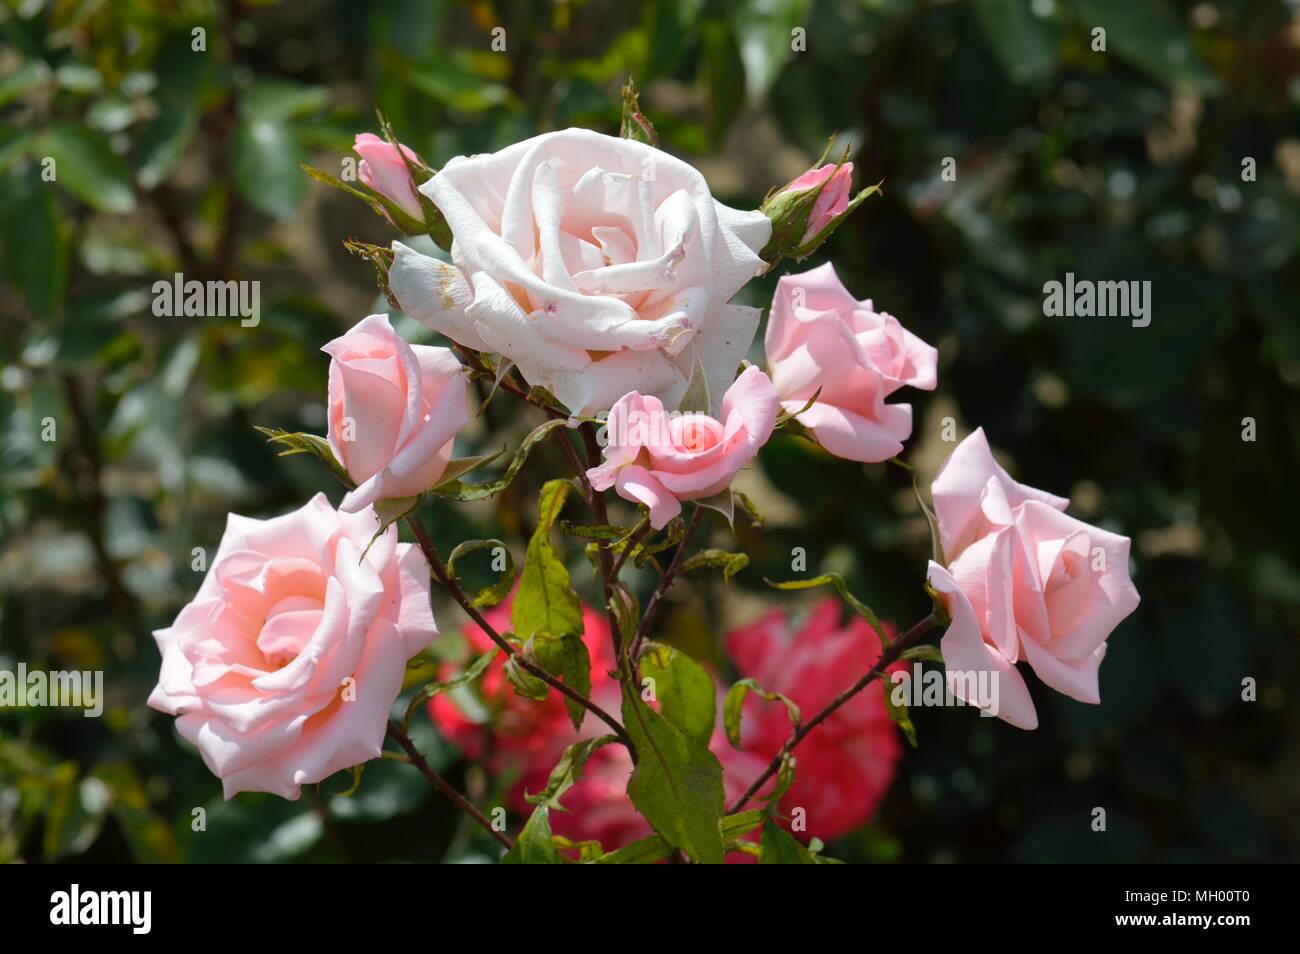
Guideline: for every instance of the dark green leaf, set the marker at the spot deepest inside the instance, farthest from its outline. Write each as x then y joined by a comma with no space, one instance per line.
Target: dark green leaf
677,783
684,690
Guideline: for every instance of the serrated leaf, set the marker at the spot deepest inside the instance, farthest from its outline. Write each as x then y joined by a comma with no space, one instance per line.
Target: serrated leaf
535,846
730,563
496,592
684,689
777,847
677,783
546,610
733,706
568,771
301,443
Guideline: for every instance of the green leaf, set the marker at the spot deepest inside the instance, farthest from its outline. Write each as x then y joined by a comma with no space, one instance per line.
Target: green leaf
87,168
722,503
731,563
266,156
653,848
568,771
780,848
524,682
545,601
684,689
302,443
76,813
535,845
389,511
429,690
733,706
644,851
565,656
837,581
455,489
677,783
496,592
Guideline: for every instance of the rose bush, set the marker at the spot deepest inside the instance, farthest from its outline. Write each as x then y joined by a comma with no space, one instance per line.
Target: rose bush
602,270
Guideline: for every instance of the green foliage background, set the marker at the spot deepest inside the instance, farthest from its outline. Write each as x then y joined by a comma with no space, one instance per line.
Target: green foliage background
1118,165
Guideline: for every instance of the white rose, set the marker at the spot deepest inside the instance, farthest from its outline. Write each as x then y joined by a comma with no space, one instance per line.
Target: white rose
598,265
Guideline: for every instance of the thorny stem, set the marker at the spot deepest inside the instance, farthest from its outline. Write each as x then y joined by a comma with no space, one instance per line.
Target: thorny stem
450,584
442,785
665,581
603,560
887,659
628,546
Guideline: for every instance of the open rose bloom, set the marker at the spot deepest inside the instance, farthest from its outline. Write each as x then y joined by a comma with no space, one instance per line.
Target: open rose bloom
1024,581
597,265
659,459
284,666
822,342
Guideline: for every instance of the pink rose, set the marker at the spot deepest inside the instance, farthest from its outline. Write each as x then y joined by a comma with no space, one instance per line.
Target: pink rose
831,201
394,411
383,169
660,459
818,336
1023,581
847,764
285,665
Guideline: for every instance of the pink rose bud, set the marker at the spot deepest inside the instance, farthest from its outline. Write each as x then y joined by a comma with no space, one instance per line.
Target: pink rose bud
383,169
805,212
394,411
284,666
659,459
1024,581
833,198
822,342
